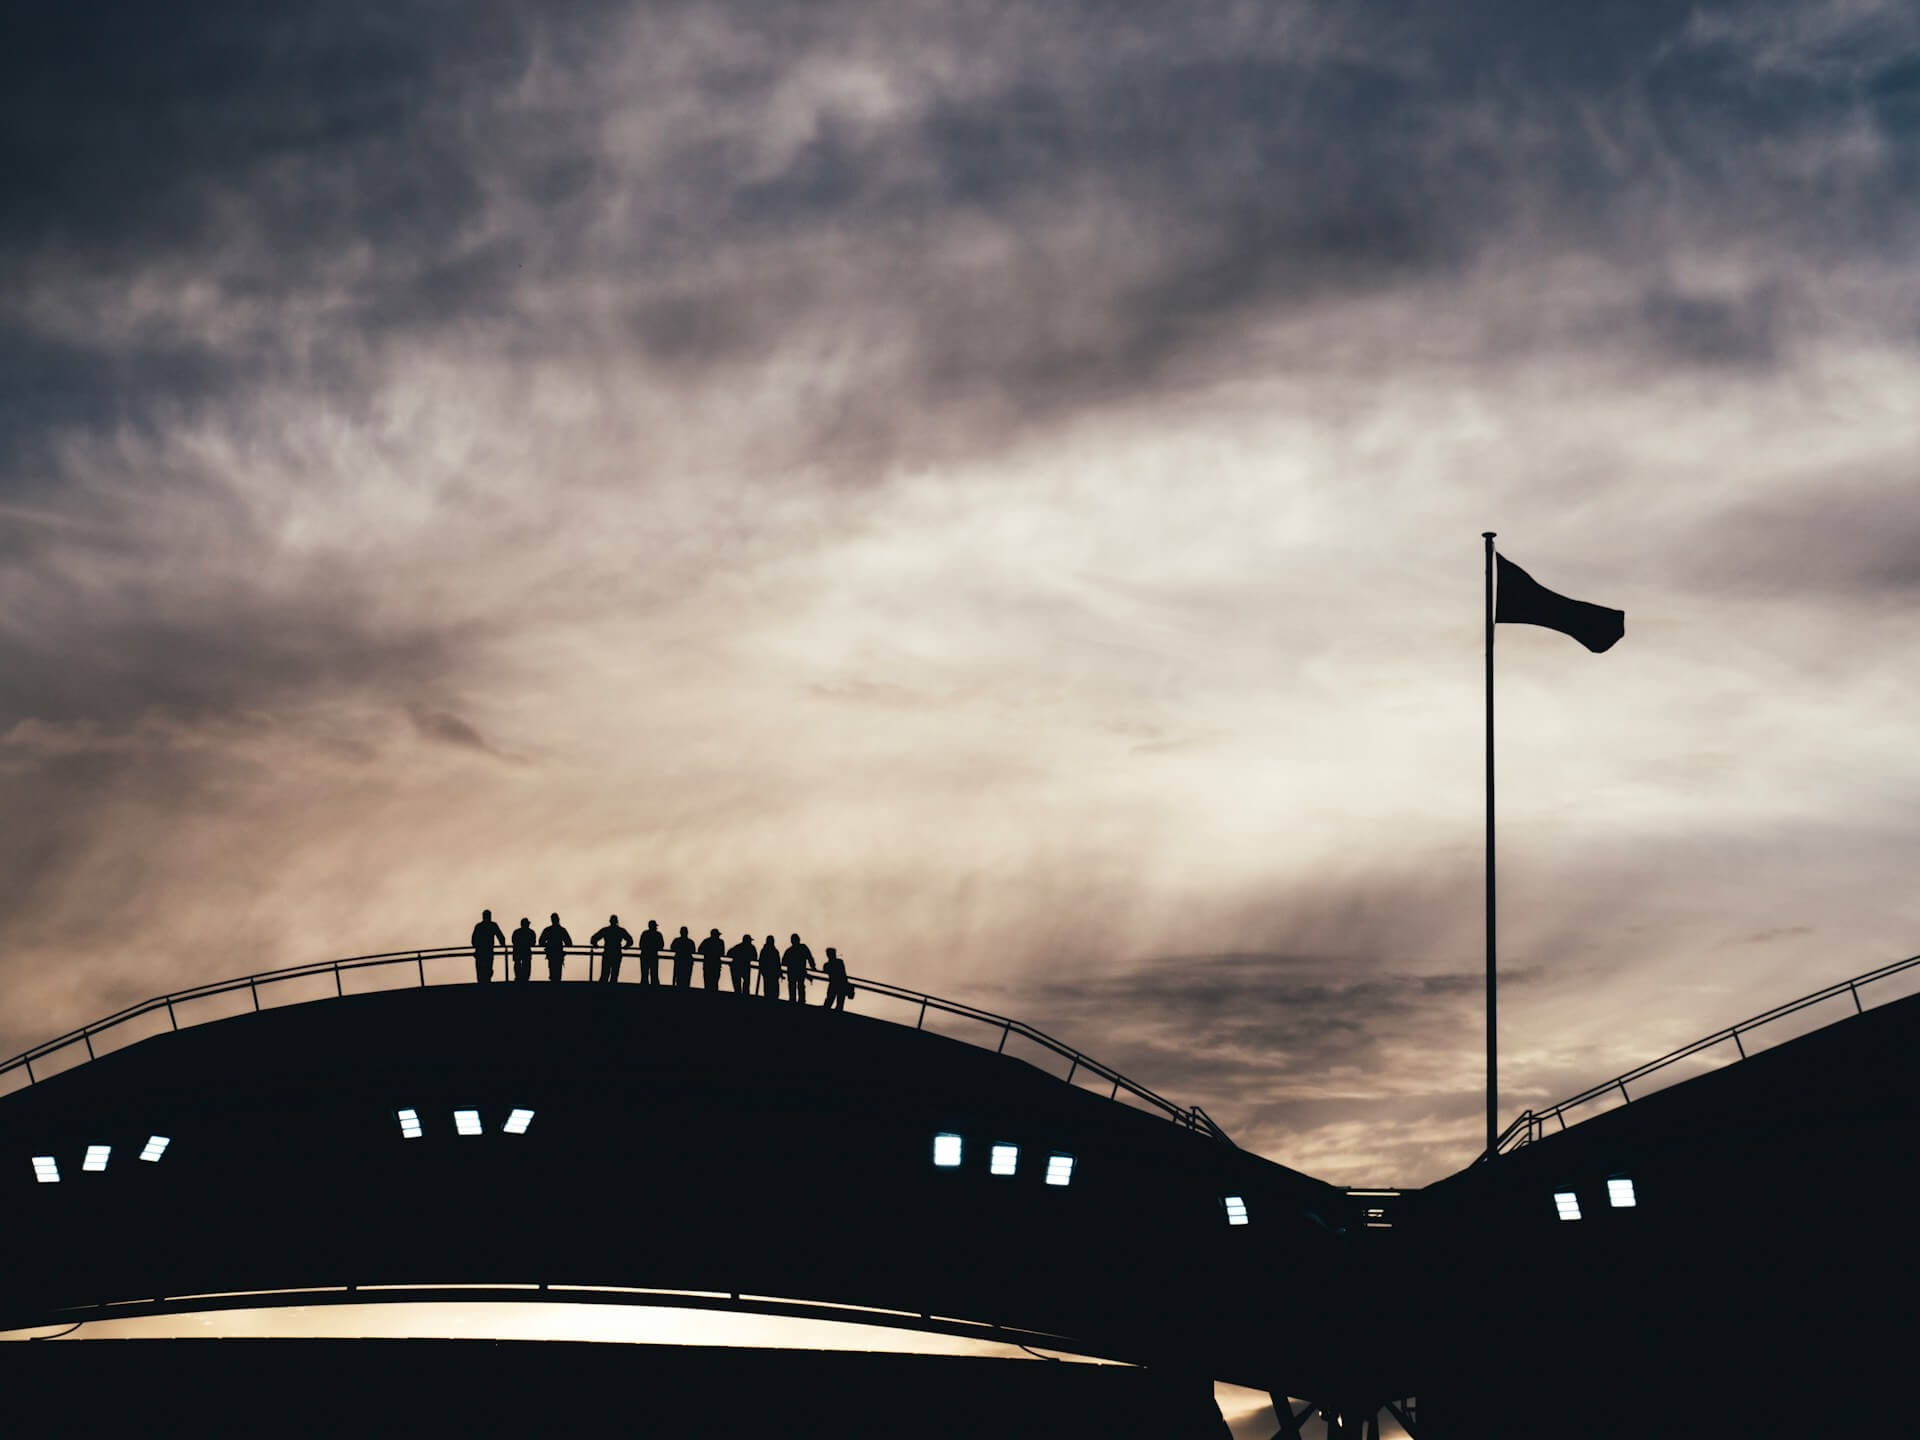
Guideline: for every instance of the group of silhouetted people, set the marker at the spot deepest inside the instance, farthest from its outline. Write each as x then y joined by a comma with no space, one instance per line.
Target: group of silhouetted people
612,941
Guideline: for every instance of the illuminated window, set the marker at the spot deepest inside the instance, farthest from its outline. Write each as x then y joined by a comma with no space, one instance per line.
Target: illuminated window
1236,1209
96,1157
409,1123
1620,1193
1567,1204
156,1147
946,1151
1059,1169
467,1122
518,1122
45,1169
1004,1160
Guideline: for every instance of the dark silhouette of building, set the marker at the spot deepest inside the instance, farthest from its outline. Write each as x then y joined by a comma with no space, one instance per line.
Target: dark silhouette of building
523,951
713,953
798,959
613,940
740,961
651,943
770,969
486,935
554,940
682,947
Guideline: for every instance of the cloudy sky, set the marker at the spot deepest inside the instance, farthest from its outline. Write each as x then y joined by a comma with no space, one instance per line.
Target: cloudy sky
995,488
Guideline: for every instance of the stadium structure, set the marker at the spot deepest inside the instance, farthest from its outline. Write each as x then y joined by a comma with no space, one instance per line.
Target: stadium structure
1712,1243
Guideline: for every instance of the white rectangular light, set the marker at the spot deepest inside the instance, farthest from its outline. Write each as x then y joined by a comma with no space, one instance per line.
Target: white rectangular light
946,1151
156,1147
1059,1169
96,1157
1567,1203
518,1122
1236,1209
467,1122
46,1169
1620,1193
1005,1160
409,1123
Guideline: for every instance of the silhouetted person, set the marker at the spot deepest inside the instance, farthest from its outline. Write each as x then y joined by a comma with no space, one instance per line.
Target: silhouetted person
770,969
837,988
682,947
613,940
555,940
740,960
712,951
650,942
523,951
485,936
799,957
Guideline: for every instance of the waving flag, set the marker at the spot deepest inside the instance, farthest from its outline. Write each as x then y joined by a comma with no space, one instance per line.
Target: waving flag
1525,601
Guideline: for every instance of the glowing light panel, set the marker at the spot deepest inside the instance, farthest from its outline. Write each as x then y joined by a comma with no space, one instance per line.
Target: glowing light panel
46,1169
946,1151
1620,1193
1567,1203
156,1147
467,1122
1236,1209
518,1122
96,1157
1059,1169
409,1123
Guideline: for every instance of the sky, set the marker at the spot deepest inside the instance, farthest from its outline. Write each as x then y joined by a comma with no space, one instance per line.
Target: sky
994,488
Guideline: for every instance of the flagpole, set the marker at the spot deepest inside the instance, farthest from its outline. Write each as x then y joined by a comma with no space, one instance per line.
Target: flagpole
1493,1032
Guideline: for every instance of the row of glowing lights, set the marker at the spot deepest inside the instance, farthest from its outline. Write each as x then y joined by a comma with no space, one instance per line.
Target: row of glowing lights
1004,1159
46,1169
465,1122
1619,1195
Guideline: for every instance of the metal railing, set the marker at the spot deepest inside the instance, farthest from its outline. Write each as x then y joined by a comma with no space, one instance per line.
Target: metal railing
1531,1125
418,961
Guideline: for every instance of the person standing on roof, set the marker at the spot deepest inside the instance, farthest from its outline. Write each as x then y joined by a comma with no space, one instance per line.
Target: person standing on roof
613,939
523,951
770,969
650,942
682,947
799,958
712,951
485,936
837,987
740,960
555,940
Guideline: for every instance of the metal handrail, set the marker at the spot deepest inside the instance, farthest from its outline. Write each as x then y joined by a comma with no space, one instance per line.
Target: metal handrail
1531,1125
1192,1118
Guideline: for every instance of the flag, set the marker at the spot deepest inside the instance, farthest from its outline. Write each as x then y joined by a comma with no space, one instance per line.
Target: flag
1525,601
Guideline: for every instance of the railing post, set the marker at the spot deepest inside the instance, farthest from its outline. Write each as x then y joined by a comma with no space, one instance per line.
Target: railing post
420,960
1001,1048
172,1019
1854,991
336,980
1626,1098
89,1039
921,1023
30,1079
1073,1069
1737,1045
255,991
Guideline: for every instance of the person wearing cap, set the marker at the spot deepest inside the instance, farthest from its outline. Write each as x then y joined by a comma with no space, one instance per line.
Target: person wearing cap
770,969
613,939
651,942
799,958
485,936
713,950
555,940
740,961
523,951
837,987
